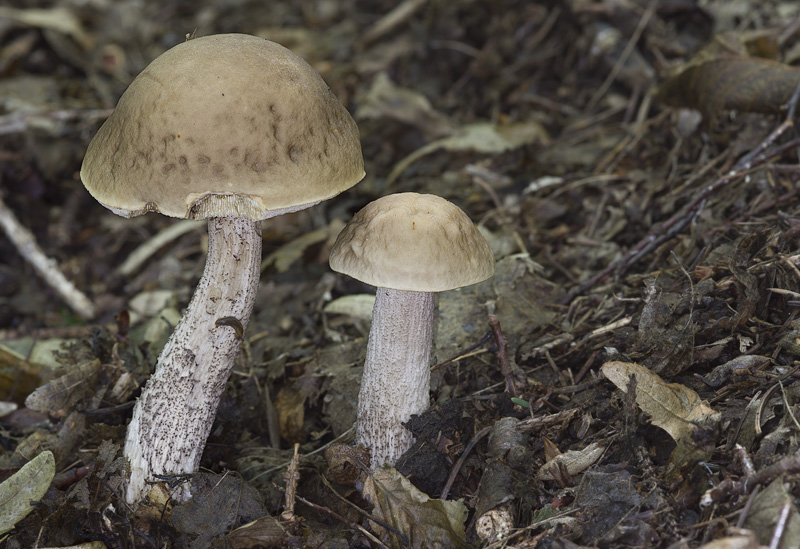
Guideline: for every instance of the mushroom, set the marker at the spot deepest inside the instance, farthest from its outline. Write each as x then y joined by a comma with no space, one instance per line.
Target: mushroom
408,245
234,129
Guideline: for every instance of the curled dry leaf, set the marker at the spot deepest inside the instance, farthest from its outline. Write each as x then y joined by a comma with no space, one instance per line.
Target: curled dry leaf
424,522
671,406
722,373
574,462
737,82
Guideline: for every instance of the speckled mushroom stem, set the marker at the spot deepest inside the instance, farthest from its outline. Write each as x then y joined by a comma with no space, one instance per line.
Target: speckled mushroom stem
173,417
396,380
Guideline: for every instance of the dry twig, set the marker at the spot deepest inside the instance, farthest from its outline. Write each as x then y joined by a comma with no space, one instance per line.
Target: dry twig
29,249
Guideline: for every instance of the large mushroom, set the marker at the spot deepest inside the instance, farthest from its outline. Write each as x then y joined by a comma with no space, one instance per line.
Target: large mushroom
233,129
410,246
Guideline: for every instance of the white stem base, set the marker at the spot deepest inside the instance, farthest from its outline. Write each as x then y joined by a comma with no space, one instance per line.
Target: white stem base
173,417
396,380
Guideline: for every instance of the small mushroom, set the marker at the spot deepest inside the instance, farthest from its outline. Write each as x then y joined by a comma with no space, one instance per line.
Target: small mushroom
410,246
233,129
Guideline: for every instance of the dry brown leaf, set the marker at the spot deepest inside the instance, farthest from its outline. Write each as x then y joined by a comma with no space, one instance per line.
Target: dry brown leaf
263,532
385,99
742,83
551,451
17,374
574,462
671,406
65,391
290,405
424,522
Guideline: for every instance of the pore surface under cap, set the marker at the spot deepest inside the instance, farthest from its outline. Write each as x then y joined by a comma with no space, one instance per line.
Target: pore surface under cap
415,242
223,125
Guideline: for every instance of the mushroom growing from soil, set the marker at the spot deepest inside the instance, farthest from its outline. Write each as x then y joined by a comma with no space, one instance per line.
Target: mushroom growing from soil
234,129
410,246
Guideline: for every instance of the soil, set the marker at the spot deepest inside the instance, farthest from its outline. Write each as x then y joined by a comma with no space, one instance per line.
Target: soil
627,378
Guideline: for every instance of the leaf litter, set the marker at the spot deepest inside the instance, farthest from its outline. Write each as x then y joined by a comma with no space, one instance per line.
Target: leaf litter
634,168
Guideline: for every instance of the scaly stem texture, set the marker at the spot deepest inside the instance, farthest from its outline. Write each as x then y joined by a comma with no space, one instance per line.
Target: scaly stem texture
396,380
173,417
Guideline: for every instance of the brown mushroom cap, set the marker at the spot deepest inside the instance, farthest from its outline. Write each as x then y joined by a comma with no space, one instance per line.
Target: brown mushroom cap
414,242
227,124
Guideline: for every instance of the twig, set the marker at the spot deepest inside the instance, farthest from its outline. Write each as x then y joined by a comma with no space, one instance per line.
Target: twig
26,245
141,254
341,437
637,33
730,488
469,351
780,527
461,459
396,17
340,518
502,356
290,477
20,122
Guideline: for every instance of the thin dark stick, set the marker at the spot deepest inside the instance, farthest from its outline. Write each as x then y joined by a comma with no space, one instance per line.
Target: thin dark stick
461,459
502,356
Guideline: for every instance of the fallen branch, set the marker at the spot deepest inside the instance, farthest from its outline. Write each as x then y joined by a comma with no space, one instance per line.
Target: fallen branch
26,244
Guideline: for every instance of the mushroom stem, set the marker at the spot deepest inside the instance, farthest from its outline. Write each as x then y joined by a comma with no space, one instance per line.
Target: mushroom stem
396,380
173,416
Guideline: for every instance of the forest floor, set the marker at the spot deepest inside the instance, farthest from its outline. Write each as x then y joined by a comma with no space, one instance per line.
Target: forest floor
628,378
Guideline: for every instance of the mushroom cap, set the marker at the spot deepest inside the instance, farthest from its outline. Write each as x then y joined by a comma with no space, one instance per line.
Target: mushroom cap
414,242
227,124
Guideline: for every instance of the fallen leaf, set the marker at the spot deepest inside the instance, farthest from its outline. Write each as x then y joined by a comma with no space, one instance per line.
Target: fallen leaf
738,82
17,375
24,487
765,510
481,137
743,540
422,521
574,462
87,545
293,251
671,406
59,19
355,305
63,392
263,532
290,405
385,99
